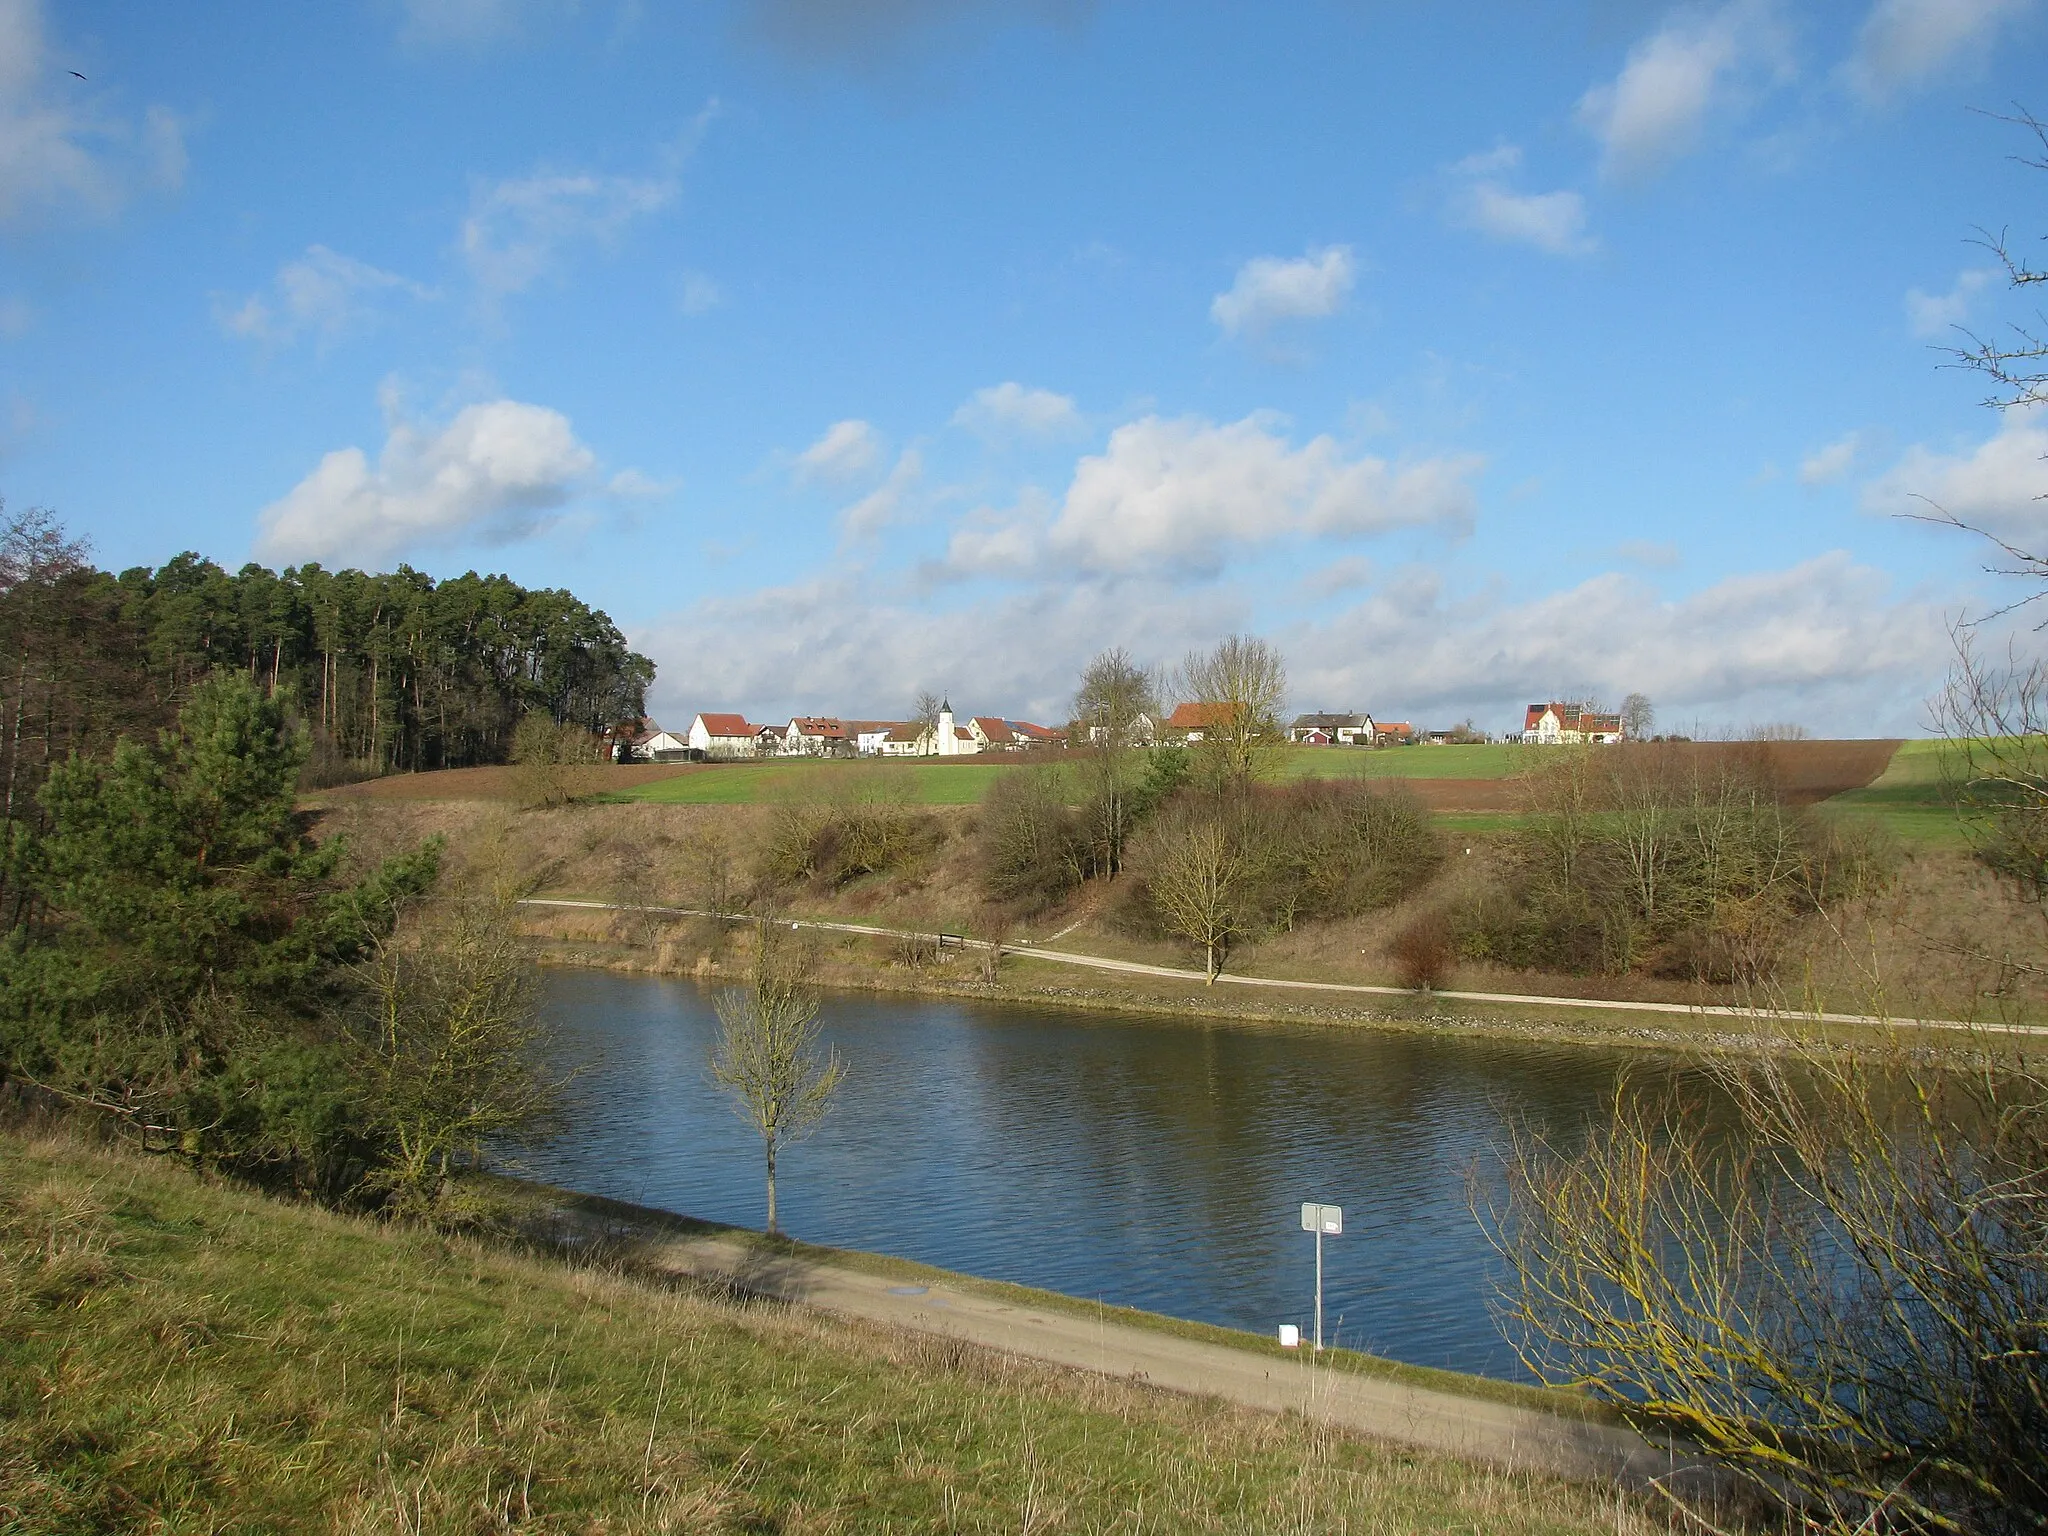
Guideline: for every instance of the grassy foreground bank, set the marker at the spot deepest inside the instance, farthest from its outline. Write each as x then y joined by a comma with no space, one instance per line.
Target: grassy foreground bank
176,1355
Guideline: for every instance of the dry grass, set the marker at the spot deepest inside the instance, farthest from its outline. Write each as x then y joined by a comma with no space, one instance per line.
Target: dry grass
181,1357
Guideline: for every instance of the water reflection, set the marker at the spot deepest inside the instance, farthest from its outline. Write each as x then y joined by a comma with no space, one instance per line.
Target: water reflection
1157,1164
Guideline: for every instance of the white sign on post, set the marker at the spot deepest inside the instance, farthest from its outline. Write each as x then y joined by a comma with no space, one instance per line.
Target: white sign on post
1324,1221
1322,1218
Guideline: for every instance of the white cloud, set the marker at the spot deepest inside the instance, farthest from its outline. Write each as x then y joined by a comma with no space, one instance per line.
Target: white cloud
1009,409
1996,486
1275,288
1655,111
1826,465
60,150
1481,200
495,473
885,503
698,293
1936,314
1826,640
1904,44
519,231
848,450
323,293
1179,495
472,23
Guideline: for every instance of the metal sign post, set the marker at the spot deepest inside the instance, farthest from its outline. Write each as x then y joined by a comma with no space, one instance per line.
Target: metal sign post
1321,1220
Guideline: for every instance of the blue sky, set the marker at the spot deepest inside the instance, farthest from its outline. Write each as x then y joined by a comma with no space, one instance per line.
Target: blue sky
1471,353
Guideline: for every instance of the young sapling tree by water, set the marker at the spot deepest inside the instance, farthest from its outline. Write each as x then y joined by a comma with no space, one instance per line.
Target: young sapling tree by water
768,1058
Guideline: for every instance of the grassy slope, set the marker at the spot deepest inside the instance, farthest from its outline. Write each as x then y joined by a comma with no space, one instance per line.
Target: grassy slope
176,1356
1908,798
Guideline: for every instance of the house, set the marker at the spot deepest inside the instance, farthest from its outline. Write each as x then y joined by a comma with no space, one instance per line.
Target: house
1350,730
907,740
767,741
1563,724
724,736
816,736
1393,733
1029,735
654,745
1189,722
1143,732
991,734
867,736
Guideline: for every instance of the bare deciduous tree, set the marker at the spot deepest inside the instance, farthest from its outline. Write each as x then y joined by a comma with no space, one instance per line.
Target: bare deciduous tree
1196,870
767,1057
1115,699
1242,681
1845,1302
1638,717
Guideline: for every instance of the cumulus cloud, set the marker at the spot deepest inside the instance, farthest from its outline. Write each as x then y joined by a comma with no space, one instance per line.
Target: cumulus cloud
1936,314
848,450
1179,495
1011,409
61,151
1481,199
1181,492
324,294
496,472
1997,486
1827,638
887,502
1270,289
1827,641
1903,44
1655,111
1824,466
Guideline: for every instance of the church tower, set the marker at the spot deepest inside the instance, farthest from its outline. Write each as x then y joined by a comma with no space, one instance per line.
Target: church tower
949,743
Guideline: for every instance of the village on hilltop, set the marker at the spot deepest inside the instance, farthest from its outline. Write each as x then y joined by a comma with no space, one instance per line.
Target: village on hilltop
717,737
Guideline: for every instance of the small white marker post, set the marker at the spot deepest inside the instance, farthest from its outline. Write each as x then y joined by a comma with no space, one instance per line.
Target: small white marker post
1321,1220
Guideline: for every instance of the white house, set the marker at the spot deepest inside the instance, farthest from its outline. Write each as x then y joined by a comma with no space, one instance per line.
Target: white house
1352,730
725,736
1563,725
815,736
655,745
868,735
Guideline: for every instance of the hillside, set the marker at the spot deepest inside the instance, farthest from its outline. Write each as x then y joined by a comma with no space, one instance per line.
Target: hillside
182,1356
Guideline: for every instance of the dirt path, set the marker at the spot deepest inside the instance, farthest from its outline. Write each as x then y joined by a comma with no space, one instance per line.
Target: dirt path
1471,1427
1516,999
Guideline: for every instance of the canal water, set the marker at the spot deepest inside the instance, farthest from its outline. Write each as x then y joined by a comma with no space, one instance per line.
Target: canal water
1154,1163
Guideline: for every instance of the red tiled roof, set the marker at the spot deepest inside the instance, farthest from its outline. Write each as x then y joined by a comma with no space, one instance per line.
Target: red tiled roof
1197,716
818,725
994,729
1036,732
727,725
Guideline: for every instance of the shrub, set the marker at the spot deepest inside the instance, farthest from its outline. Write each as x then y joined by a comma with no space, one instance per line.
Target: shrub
1033,849
1423,951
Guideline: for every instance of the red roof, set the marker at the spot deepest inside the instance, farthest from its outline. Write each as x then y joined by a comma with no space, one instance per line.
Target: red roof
994,729
818,725
727,725
1036,732
1198,717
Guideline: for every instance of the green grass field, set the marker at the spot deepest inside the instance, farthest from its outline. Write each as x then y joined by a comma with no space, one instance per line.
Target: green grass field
914,782
1908,798
186,1356
923,782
